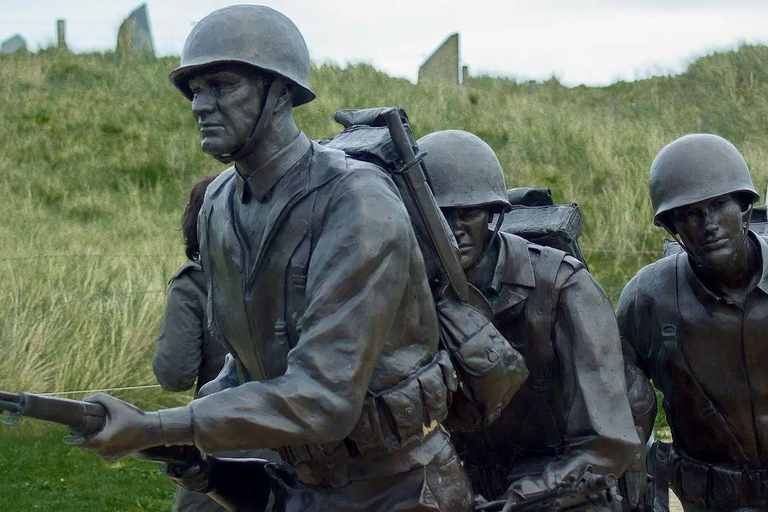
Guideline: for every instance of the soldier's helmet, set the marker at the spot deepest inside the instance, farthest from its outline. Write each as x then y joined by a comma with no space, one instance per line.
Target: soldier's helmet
253,35
694,168
464,171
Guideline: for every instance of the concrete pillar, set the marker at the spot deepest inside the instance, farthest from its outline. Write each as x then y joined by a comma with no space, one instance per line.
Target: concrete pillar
61,34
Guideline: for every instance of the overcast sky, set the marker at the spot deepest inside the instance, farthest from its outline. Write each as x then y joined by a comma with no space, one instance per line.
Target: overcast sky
594,42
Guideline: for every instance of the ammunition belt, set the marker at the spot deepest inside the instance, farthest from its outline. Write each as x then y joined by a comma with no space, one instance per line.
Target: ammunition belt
709,485
403,415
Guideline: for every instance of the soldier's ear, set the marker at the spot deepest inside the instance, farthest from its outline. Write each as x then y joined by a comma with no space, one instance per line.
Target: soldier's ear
286,98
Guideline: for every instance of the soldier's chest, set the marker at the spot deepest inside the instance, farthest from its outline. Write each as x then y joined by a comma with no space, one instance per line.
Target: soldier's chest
727,351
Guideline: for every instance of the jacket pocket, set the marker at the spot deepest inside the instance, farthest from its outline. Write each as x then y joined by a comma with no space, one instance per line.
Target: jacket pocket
405,409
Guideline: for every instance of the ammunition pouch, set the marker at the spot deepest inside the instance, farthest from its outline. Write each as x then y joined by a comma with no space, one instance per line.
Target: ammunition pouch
403,420
717,486
489,370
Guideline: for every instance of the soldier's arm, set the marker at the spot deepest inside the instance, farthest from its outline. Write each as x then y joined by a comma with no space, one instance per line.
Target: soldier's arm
635,341
356,291
599,425
179,347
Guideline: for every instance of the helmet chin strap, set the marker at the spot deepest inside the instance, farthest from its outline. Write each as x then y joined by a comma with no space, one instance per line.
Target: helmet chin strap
488,241
260,127
735,254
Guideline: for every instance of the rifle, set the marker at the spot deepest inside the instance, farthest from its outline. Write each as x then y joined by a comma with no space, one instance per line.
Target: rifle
573,494
84,419
418,183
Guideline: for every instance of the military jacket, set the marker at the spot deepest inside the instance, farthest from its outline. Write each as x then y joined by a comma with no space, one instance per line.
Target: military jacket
719,343
324,304
573,409
187,353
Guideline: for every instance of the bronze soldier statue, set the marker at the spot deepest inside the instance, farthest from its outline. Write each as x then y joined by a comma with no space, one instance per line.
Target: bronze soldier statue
572,412
695,322
318,289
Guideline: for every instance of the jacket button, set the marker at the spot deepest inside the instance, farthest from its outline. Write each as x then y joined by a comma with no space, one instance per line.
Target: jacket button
493,356
408,413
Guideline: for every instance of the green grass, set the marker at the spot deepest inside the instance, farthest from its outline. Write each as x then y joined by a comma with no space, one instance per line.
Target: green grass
38,472
97,154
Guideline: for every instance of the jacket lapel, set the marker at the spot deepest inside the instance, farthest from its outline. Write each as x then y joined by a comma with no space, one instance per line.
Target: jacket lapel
517,277
324,165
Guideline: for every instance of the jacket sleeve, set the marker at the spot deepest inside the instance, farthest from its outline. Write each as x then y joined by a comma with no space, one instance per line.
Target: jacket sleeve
599,427
635,343
179,347
357,296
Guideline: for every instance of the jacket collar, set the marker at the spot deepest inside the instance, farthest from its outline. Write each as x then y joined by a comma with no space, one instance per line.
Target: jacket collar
513,278
260,182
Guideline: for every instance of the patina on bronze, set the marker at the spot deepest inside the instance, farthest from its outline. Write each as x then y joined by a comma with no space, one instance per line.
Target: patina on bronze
573,410
695,323
317,286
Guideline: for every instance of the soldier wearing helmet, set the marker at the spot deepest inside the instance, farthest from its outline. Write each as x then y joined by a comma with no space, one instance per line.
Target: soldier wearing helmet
318,289
573,409
695,323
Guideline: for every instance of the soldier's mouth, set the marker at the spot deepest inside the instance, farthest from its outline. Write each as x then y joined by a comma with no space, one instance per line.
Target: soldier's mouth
715,244
209,127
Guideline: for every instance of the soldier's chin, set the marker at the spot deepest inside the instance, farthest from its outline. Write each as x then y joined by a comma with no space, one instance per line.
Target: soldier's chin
717,257
213,146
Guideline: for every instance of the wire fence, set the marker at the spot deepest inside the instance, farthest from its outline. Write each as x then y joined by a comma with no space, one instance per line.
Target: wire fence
101,390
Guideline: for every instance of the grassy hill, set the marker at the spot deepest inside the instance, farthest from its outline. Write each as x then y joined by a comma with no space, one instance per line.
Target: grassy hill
97,153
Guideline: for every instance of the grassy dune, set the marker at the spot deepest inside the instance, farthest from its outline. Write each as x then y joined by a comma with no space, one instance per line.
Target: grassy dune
97,153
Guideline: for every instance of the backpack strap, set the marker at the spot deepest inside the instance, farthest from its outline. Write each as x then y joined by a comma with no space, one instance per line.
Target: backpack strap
669,320
540,350
292,304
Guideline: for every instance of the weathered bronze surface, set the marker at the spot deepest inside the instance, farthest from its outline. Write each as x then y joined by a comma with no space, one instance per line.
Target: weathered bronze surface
695,322
318,289
573,409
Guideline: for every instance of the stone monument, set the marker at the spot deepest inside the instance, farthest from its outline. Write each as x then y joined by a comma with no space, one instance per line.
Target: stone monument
14,44
443,65
134,35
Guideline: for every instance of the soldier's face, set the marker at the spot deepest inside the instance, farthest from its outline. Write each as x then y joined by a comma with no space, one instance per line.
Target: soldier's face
226,103
711,229
470,227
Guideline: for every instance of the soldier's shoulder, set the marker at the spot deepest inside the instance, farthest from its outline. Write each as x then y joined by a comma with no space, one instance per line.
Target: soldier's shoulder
219,184
648,278
567,264
190,270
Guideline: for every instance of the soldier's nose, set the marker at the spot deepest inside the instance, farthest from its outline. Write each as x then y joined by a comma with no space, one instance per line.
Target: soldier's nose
202,104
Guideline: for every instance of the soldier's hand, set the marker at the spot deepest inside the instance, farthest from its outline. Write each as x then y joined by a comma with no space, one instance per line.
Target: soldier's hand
128,429
513,499
193,478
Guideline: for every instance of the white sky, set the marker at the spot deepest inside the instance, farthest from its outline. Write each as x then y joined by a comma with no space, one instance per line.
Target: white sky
594,42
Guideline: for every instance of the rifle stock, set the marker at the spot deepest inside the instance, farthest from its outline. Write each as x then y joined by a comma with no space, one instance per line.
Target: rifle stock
84,418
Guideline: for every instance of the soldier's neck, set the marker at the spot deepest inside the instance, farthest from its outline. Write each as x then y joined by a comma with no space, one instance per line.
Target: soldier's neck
738,277
281,132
